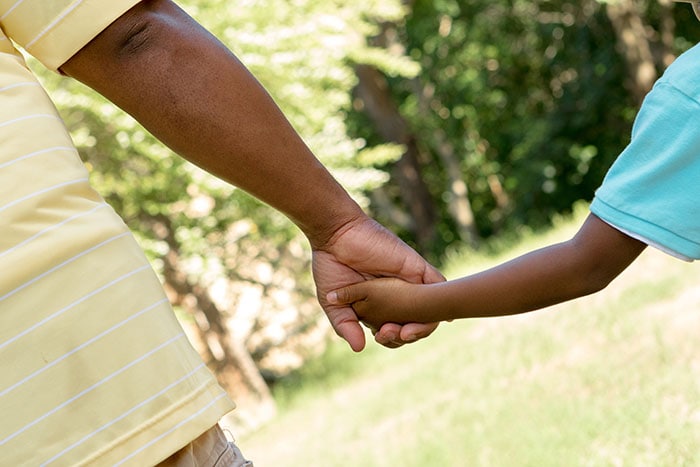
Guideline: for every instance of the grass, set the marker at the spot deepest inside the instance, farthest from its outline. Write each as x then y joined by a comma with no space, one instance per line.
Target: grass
608,380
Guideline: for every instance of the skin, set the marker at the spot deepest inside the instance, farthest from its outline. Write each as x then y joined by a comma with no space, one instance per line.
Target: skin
583,265
193,94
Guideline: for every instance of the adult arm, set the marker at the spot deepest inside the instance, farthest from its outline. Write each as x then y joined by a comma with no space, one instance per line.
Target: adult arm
580,266
193,94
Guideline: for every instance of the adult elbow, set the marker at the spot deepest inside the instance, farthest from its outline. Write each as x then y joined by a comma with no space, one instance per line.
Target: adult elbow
136,37
138,30
127,38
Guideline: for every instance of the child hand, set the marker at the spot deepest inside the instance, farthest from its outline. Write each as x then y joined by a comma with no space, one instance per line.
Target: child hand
380,301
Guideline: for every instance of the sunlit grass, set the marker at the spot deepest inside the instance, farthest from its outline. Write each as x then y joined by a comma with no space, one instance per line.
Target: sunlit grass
607,380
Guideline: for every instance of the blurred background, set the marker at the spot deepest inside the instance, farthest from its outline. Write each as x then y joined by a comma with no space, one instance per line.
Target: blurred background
462,125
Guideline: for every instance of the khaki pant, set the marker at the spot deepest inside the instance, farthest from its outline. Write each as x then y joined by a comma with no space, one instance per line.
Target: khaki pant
211,449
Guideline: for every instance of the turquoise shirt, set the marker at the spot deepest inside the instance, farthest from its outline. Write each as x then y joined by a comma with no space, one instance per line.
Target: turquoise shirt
652,191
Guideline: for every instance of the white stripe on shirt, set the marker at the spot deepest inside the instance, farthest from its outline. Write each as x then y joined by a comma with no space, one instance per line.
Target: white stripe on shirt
18,85
81,347
53,227
163,435
53,23
59,266
124,415
55,314
28,117
42,191
91,388
38,153
17,3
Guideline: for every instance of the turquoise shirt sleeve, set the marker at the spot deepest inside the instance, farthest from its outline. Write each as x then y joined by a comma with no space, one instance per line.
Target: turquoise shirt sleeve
652,191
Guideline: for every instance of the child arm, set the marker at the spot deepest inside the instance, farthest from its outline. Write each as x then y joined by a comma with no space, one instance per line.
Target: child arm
580,266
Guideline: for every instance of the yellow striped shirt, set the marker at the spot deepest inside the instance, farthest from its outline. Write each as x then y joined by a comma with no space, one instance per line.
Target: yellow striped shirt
94,367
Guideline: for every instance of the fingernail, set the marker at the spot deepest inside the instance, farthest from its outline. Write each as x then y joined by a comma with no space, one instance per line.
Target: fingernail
332,297
411,338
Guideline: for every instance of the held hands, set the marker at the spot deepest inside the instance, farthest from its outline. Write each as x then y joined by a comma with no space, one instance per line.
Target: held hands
384,300
360,251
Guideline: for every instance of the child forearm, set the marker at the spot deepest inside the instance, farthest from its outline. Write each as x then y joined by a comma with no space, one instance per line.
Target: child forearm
581,266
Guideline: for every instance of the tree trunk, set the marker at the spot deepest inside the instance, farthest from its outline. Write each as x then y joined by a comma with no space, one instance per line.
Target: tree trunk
635,45
228,358
458,203
373,90
667,28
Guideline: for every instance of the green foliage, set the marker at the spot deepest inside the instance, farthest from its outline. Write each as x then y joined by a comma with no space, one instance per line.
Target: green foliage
517,84
301,53
530,94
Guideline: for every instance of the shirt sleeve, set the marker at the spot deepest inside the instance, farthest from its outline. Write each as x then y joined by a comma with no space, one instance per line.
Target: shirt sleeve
54,30
652,191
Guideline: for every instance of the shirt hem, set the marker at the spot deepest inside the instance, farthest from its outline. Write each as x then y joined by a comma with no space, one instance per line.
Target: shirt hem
640,229
168,431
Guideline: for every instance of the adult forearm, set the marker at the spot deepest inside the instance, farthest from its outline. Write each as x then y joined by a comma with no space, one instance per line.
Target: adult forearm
193,94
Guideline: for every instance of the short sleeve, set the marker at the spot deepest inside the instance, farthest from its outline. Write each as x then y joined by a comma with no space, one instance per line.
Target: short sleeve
652,191
54,30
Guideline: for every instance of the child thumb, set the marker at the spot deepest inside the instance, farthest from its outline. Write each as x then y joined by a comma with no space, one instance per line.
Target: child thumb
342,296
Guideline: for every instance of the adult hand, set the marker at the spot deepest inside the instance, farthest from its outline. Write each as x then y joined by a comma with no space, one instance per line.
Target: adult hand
362,249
